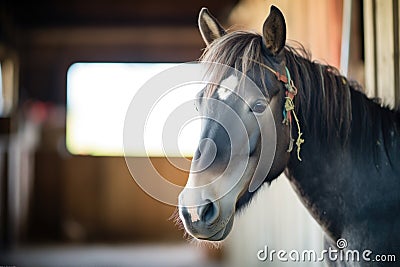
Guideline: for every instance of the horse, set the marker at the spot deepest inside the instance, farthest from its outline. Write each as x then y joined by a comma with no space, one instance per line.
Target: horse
339,149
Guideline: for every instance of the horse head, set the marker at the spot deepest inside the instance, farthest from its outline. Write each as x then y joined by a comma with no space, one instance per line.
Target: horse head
243,140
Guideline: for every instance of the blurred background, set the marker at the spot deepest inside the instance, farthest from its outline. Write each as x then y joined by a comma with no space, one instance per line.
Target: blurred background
80,207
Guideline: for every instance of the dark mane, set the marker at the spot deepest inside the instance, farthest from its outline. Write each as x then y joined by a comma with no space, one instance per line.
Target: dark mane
325,99
335,109
324,96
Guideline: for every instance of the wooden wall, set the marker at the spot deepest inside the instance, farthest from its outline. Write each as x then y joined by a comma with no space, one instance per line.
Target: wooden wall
382,46
90,199
315,24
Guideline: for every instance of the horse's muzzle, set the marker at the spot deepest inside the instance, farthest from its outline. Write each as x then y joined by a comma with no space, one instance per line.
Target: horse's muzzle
204,221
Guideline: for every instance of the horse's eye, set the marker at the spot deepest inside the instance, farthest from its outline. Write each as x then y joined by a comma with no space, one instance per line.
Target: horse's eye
259,107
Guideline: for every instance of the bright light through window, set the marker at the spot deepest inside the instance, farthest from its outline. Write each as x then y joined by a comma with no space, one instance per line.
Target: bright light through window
98,96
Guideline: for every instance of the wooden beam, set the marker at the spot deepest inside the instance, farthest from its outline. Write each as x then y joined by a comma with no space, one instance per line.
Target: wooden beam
385,51
396,34
108,36
369,47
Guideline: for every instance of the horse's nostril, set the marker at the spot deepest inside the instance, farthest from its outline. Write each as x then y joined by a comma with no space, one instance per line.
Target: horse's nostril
185,213
208,212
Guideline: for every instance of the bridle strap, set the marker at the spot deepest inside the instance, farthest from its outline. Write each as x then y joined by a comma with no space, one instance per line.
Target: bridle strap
279,77
291,92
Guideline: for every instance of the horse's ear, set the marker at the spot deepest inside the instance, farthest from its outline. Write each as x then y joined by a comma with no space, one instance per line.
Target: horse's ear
274,31
210,28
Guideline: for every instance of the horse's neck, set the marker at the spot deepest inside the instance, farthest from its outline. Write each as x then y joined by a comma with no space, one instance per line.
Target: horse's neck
318,180
338,182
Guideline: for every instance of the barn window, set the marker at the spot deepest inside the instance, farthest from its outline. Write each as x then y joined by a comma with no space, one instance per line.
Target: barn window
98,96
